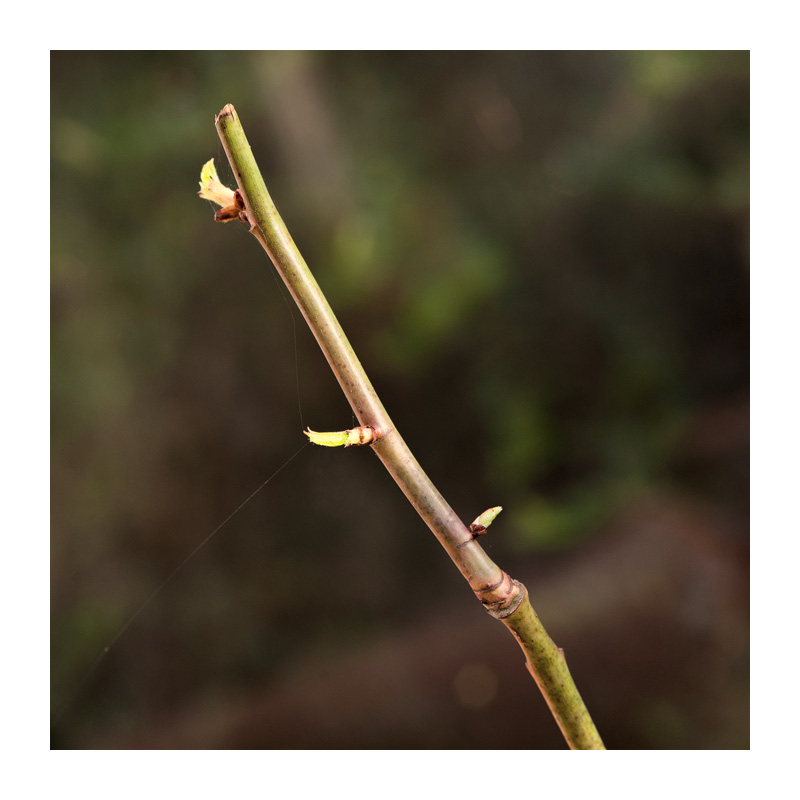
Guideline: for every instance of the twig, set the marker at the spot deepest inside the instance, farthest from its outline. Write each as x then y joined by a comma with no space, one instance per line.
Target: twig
504,598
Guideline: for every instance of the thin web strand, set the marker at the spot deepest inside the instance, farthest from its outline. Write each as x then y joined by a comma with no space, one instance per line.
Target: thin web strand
282,289
164,583
226,177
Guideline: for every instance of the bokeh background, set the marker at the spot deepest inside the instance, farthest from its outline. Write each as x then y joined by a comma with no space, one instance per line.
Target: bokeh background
541,259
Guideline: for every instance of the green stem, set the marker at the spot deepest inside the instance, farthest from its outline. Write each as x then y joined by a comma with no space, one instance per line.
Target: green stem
503,597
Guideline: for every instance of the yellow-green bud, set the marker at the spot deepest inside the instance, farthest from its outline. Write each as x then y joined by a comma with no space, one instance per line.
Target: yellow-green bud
482,522
355,436
211,188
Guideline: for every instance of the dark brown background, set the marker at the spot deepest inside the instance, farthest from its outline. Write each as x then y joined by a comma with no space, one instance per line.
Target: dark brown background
542,261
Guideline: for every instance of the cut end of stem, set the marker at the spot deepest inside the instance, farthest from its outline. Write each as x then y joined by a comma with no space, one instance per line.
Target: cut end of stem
227,111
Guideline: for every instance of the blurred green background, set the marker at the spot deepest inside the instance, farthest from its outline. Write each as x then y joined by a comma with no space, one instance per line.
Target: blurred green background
541,258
